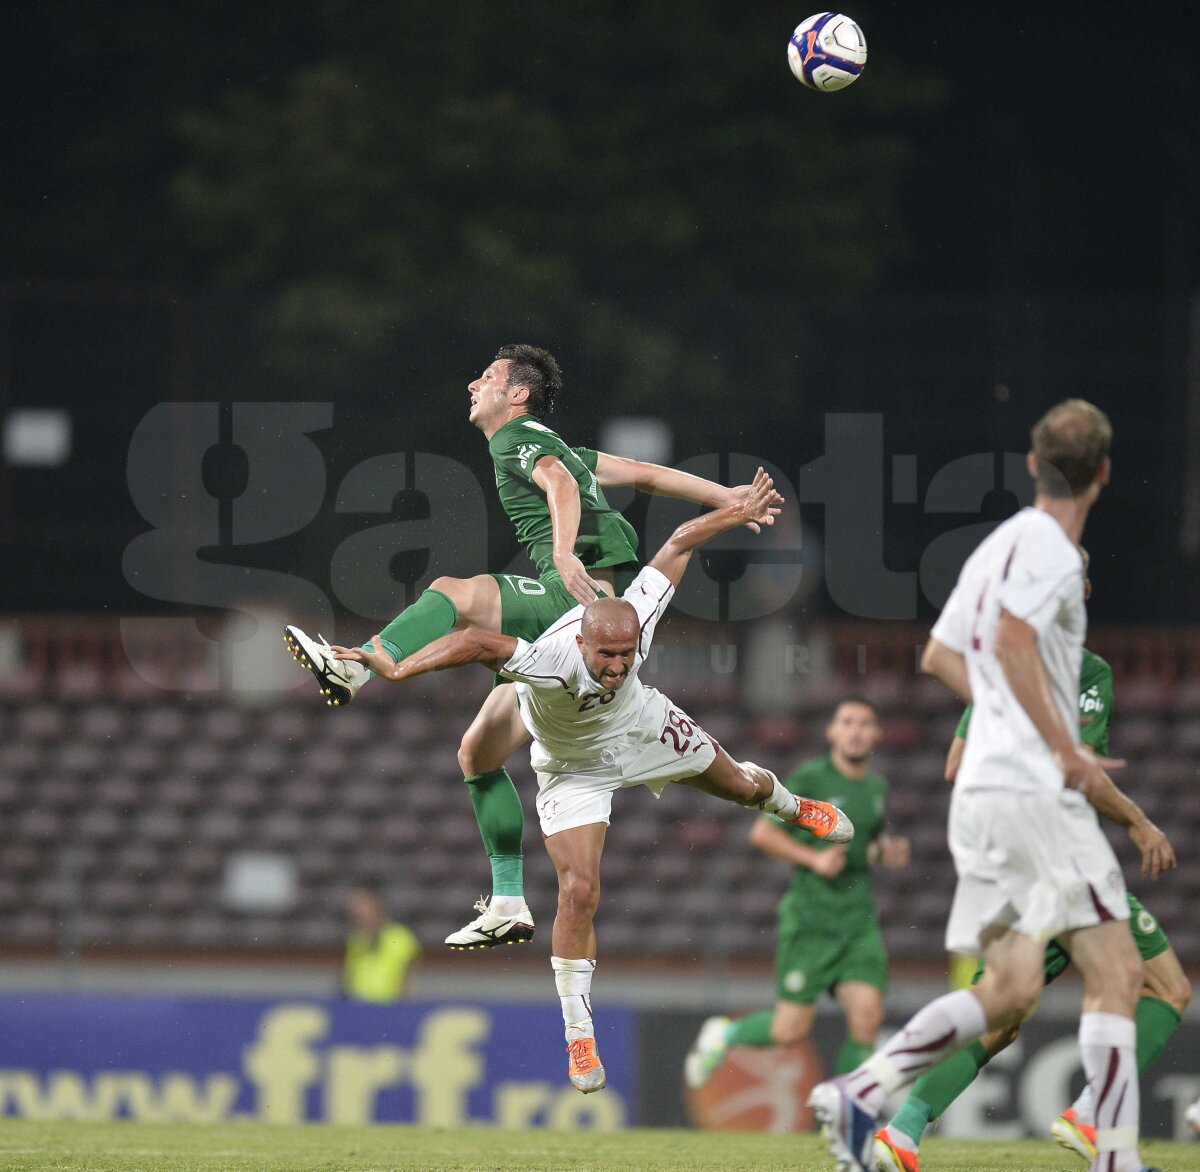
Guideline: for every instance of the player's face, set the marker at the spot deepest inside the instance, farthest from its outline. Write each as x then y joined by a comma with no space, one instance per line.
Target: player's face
489,395
609,660
853,732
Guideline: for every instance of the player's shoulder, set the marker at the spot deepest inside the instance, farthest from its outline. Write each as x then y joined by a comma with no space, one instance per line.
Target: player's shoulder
1094,668
649,582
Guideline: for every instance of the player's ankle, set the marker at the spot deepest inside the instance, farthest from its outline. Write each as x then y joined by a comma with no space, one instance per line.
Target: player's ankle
506,905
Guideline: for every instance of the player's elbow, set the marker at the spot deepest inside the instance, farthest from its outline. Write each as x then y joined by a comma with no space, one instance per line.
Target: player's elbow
931,657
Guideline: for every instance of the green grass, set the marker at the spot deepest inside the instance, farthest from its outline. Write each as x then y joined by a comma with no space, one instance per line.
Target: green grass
257,1147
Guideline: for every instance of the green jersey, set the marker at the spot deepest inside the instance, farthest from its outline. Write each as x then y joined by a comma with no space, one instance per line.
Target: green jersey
812,897
1095,704
605,537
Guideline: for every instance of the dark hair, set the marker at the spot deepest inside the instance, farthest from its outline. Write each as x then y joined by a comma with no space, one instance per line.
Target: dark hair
855,698
1070,442
537,369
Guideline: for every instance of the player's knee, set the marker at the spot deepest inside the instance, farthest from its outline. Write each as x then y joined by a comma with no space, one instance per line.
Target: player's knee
1176,991
1009,999
999,1040
863,1024
579,894
1179,996
788,1031
472,758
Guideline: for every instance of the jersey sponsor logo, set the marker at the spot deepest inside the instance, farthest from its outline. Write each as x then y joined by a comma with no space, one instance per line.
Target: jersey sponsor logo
1146,923
1091,700
533,425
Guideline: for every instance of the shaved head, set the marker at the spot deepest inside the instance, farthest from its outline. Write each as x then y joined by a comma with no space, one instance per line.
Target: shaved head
608,640
607,617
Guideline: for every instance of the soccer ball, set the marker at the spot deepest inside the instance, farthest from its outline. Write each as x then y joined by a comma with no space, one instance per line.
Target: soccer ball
827,51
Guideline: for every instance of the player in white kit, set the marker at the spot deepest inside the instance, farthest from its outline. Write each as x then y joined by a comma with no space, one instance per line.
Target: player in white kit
597,728
1031,860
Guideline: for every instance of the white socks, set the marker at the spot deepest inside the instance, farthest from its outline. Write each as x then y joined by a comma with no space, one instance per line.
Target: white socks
943,1026
574,981
506,905
1107,1045
782,802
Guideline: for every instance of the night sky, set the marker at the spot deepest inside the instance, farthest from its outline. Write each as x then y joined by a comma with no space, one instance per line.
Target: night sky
1061,166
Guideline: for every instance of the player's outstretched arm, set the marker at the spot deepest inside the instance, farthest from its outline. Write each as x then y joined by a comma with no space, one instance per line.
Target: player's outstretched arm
456,649
759,505
657,480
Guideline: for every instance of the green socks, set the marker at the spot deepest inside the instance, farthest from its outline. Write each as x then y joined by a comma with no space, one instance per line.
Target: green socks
1156,1021
430,617
752,1030
936,1089
755,1030
501,825
852,1055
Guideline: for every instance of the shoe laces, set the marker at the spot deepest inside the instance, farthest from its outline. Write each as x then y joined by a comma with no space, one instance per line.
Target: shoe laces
582,1052
815,812
481,905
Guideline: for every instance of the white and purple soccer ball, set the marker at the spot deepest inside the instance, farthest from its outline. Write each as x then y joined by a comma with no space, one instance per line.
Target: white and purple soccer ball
827,51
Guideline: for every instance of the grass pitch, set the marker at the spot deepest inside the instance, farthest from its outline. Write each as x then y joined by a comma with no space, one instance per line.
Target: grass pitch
256,1147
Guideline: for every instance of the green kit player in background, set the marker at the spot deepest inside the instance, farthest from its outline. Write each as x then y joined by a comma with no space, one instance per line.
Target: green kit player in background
1165,991
829,936
554,496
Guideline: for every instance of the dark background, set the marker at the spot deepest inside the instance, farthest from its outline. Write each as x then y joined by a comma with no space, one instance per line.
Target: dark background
357,203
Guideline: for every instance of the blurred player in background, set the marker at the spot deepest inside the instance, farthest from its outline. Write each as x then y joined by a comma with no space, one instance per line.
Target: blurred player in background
1032,862
596,729
379,952
829,937
554,496
1165,988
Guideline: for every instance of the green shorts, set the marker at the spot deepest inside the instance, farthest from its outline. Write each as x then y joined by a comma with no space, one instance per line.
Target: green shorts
1148,935
528,606
807,965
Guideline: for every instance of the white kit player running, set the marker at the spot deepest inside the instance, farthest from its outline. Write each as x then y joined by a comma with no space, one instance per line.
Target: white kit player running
1031,860
597,728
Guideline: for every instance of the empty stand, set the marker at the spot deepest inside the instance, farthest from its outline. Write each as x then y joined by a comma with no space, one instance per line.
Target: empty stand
146,792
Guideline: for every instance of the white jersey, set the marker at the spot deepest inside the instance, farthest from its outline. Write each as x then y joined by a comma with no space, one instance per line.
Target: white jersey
1030,568
571,716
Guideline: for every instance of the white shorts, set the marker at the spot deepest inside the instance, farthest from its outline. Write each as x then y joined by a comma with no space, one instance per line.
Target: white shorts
665,745
1036,863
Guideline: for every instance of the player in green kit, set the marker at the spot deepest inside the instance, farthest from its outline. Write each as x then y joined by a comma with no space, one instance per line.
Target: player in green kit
1165,991
554,496
829,936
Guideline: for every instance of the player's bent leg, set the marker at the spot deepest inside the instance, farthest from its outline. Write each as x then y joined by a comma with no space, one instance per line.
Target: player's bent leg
1012,980
1163,978
476,601
495,733
751,785
792,1022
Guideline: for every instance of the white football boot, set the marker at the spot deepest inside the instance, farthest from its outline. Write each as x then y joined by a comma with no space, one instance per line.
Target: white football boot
489,929
338,679
707,1052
